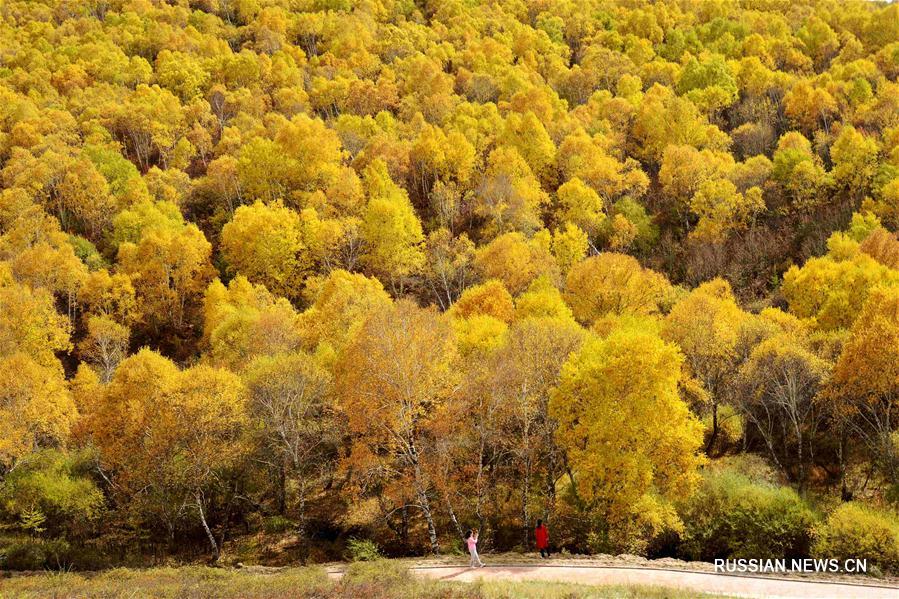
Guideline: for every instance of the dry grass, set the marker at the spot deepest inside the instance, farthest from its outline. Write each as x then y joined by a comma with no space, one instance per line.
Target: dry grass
375,580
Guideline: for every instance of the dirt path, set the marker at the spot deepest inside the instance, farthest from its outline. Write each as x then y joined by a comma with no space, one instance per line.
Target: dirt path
701,582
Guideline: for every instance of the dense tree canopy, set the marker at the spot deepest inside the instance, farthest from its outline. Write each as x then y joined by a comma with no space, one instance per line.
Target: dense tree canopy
388,269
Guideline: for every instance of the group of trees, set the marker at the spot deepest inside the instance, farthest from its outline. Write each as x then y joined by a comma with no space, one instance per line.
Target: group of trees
398,268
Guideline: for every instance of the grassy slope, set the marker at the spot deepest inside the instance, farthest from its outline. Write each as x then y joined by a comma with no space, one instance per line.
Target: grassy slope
377,580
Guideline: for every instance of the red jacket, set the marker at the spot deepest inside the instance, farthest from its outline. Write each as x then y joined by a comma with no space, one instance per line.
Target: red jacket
542,535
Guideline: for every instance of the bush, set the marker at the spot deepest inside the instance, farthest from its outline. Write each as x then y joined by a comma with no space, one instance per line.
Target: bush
752,466
363,550
384,571
277,524
52,491
35,554
857,531
24,553
644,531
732,517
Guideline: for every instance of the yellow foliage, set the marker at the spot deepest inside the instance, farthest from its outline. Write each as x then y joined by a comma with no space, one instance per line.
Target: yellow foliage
340,304
29,322
488,299
36,408
570,246
168,430
479,334
516,260
390,228
626,430
831,290
266,245
245,320
614,283
169,270
542,299
581,205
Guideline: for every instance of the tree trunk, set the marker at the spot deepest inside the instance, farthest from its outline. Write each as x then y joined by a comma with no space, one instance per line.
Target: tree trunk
551,476
404,526
425,506
801,459
228,509
452,515
845,493
212,543
282,488
525,512
301,524
714,436
480,490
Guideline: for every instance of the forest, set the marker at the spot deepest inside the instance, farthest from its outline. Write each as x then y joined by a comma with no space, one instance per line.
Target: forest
369,273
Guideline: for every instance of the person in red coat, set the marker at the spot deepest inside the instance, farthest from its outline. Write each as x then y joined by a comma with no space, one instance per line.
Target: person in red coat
541,534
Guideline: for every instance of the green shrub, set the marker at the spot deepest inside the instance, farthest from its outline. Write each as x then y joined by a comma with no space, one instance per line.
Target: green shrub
363,550
277,524
651,523
23,553
385,571
856,531
87,252
456,546
752,466
52,491
732,517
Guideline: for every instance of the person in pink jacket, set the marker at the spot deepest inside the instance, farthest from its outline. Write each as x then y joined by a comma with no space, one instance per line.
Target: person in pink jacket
471,539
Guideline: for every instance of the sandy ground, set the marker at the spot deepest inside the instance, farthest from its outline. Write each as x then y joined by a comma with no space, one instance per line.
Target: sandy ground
576,571
700,582
634,561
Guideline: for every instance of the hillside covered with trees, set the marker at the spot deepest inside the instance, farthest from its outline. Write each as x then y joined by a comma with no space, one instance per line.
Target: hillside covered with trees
386,270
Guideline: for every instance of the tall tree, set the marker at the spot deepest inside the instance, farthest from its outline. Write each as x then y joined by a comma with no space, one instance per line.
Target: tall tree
392,381
525,371
626,431
781,381
266,244
706,326
289,395
864,390
391,230
165,436
169,270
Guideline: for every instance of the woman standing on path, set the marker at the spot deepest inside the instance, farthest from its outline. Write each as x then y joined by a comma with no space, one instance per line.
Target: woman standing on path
541,534
471,539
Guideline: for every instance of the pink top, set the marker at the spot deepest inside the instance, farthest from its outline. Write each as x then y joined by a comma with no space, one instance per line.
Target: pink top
472,543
